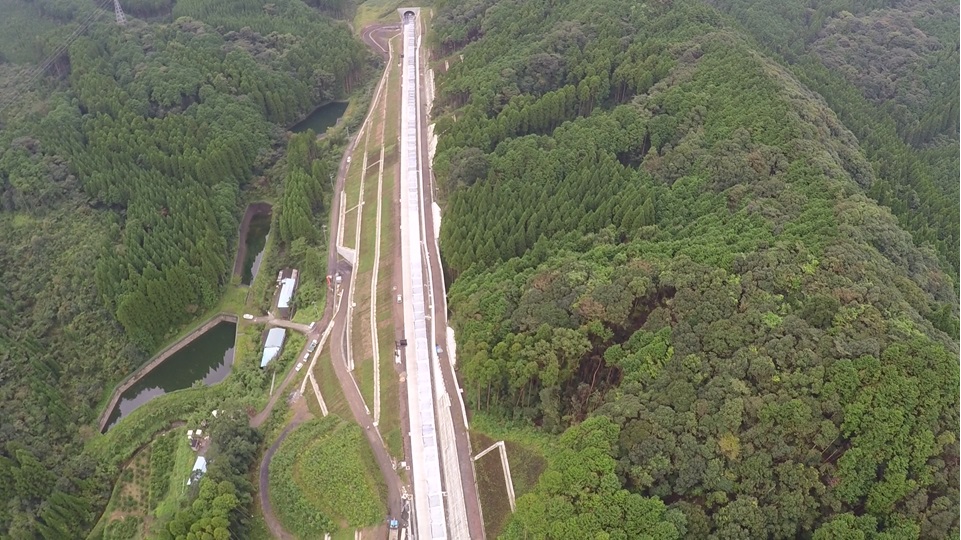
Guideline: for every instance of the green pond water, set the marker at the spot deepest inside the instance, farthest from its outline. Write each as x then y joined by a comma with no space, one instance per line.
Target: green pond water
207,359
256,241
322,118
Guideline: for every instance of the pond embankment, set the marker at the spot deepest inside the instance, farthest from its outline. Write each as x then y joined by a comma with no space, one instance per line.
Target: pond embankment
157,361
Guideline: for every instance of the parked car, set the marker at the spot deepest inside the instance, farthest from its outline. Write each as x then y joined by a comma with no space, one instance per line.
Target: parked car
248,316
438,349
306,356
313,345
400,299
299,366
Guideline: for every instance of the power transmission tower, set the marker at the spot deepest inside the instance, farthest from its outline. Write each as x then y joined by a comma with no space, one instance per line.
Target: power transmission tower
118,12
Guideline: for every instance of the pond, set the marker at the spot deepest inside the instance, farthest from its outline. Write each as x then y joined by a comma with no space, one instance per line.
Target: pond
322,118
254,245
207,359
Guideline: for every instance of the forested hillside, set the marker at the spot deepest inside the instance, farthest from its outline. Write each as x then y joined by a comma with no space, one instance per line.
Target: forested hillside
122,177
665,241
890,70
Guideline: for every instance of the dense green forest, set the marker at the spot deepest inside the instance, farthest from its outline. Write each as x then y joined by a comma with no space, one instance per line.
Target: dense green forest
890,70
667,231
123,173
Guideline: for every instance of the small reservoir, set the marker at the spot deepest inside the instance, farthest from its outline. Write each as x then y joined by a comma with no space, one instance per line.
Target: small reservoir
322,118
207,359
254,243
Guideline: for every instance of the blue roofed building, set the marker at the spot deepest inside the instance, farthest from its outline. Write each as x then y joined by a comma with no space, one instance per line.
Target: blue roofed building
273,345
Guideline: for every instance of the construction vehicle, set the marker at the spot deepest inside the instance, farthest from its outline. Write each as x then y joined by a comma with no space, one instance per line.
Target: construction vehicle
393,529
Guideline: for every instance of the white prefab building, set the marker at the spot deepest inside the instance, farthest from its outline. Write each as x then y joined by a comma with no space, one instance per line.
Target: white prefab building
273,345
288,285
200,468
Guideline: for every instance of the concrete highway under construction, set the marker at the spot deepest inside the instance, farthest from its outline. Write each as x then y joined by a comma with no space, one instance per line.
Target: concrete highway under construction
445,501
441,500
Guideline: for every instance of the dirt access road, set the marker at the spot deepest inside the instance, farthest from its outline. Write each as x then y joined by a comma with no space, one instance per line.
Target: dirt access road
301,415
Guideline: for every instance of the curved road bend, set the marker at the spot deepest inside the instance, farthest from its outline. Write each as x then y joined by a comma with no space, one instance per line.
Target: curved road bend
301,415
359,410
377,35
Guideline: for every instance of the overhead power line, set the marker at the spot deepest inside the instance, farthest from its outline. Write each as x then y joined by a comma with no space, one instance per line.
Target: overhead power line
38,72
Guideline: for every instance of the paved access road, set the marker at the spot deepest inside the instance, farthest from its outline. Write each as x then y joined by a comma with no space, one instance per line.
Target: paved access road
334,266
376,37
338,343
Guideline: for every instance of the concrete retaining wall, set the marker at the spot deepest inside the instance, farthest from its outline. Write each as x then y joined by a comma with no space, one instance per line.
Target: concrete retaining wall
134,377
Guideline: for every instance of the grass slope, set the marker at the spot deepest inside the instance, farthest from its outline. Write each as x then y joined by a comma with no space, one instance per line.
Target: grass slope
323,478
